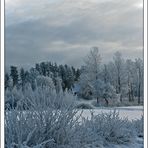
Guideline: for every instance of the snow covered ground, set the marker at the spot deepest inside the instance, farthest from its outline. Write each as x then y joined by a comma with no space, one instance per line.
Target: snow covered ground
131,112
137,144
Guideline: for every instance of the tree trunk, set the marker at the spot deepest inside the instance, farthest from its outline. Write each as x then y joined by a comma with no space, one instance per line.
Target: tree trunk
129,96
129,90
120,98
132,93
139,94
139,87
106,101
119,85
97,100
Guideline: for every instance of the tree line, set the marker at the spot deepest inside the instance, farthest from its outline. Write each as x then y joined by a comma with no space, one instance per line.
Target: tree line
120,78
19,77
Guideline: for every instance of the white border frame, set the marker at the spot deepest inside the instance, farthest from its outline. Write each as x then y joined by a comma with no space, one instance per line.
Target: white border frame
2,73
145,72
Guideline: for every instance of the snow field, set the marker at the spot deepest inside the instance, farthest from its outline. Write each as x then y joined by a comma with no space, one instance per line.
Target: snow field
131,113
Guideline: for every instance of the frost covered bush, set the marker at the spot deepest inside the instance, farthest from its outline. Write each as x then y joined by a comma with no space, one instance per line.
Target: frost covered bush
50,128
12,97
45,82
41,118
110,128
43,97
139,126
66,128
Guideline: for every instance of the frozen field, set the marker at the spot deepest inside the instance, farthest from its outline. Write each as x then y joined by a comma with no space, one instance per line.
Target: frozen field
132,112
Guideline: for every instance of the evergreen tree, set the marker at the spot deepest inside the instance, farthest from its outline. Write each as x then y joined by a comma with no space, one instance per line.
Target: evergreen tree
7,80
22,77
37,67
69,78
58,85
43,67
32,77
62,74
14,75
27,77
77,74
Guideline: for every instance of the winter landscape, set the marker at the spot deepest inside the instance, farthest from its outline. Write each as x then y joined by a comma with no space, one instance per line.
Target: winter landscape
61,91
59,106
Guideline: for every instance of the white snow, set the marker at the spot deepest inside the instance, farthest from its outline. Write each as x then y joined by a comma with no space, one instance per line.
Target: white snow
131,112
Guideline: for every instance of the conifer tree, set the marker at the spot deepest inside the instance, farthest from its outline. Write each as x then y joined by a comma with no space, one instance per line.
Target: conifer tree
14,75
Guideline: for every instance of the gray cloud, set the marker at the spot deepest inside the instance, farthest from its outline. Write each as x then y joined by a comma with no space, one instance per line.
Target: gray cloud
65,30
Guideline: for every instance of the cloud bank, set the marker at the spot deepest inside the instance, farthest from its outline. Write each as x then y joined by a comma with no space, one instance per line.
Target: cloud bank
64,30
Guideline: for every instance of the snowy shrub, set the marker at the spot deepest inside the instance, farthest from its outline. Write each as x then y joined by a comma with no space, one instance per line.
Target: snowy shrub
110,128
41,98
139,126
66,128
50,128
12,98
45,82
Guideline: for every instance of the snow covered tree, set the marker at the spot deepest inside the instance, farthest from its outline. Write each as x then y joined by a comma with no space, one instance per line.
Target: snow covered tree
130,74
7,80
14,75
91,71
98,88
43,82
139,74
69,77
48,70
37,67
92,64
119,73
43,67
77,74
62,74
109,93
32,77
22,77
104,91
27,77
86,87
105,74
118,61
58,85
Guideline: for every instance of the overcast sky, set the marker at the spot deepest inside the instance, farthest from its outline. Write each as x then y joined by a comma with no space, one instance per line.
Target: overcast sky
64,30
